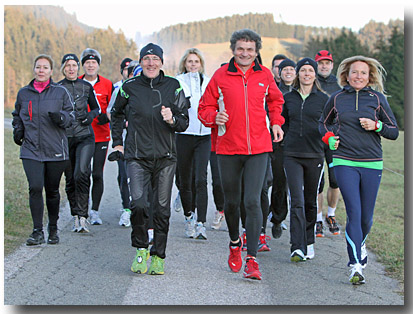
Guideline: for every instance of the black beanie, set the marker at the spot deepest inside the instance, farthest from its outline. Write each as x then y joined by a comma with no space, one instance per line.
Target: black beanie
286,63
305,61
151,49
124,64
70,56
90,54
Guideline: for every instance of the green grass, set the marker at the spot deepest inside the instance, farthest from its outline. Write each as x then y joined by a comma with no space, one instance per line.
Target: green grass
386,238
17,218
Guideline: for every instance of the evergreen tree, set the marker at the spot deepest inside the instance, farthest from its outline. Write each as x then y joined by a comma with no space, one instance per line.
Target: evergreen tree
391,56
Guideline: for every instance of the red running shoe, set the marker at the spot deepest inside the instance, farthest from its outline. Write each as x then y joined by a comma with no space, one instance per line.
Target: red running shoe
235,259
262,243
251,269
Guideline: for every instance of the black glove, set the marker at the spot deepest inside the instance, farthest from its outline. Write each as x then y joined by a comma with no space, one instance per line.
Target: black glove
115,156
81,115
56,117
18,136
103,119
87,120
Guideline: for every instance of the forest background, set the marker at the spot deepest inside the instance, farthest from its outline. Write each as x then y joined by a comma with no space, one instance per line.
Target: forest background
31,30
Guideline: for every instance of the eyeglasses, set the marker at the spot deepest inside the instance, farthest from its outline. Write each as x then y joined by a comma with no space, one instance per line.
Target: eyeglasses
153,58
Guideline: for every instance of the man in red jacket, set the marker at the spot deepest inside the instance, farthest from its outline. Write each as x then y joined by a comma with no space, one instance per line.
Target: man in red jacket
103,88
234,101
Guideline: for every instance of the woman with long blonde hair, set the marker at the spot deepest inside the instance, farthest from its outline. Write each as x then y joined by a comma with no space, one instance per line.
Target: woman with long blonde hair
352,124
193,146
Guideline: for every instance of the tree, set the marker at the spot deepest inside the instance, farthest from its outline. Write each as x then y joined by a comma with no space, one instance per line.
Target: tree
391,56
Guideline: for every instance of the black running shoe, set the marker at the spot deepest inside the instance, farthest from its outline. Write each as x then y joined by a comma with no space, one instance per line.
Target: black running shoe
332,225
319,232
276,230
36,238
53,237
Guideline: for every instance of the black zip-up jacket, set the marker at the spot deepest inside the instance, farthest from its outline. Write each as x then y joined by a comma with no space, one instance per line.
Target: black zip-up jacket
148,135
43,140
82,93
328,84
302,137
284,89
341,116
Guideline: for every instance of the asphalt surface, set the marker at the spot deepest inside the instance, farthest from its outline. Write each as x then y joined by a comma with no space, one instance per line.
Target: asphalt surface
94,269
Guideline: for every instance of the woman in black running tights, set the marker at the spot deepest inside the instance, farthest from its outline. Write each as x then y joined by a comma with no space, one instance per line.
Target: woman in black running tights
42,111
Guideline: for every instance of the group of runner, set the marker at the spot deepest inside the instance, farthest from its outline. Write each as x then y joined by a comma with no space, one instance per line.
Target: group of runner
257,127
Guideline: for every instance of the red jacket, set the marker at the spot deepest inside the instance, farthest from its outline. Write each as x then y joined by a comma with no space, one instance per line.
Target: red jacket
103,89
247,131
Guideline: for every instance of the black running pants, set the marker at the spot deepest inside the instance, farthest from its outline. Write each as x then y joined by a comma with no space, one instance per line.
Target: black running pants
99,158
45,175
141,174
247,170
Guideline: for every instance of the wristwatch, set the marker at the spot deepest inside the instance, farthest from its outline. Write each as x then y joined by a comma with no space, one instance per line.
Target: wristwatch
377,125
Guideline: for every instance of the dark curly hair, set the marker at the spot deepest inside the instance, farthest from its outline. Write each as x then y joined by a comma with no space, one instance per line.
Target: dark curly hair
247,35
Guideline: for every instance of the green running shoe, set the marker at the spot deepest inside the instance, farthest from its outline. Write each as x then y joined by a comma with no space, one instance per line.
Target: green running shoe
157,266
297,256
139,265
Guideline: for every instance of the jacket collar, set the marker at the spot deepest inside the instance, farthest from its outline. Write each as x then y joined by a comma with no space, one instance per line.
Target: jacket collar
154,81
313,90
350,89
233,69
31,84
82,76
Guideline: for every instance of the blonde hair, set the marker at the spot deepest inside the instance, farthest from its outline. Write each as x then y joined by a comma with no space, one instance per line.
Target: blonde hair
194,51
376,72
44,56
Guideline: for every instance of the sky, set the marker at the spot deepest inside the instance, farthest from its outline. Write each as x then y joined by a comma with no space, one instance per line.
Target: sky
147,17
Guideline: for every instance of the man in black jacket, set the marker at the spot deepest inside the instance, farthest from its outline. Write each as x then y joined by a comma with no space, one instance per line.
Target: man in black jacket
157,108
329,84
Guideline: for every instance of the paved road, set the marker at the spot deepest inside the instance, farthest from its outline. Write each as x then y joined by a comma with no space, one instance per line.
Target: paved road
94,269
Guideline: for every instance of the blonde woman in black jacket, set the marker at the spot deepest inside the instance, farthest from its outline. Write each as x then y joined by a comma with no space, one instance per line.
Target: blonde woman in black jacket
303,156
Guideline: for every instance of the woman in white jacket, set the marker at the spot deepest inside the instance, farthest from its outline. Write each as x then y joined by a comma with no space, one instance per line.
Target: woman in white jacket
193,147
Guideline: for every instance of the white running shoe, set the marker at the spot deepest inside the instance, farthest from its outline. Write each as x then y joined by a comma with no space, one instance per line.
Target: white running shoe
94,217
310,252
218,218
356,276
178,203
150,236
125,219
190,226
75,227
297,256
83,225
200,231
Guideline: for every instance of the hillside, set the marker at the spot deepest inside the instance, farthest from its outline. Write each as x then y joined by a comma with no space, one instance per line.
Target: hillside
56,15
31,30
216,54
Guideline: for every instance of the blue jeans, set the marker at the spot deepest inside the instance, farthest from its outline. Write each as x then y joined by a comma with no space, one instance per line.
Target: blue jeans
359,188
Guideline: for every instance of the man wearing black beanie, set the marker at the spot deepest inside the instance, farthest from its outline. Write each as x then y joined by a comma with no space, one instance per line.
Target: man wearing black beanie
151,49
156,109
91,60
124,64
